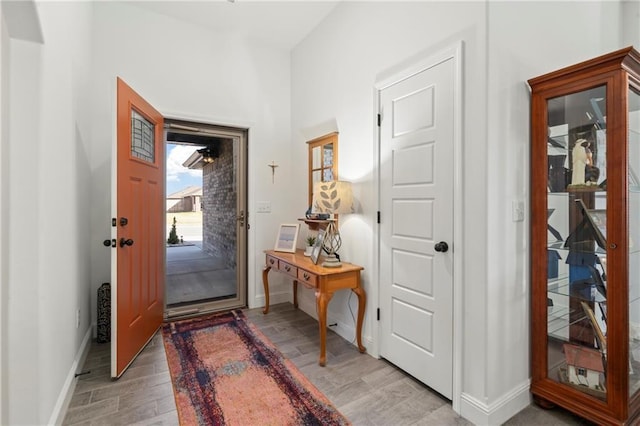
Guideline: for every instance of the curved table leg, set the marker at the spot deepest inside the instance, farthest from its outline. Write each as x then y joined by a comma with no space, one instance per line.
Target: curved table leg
322,300
265,283
362,300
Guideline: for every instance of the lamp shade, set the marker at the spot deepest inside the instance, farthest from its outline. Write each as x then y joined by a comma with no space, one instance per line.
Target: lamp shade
332,197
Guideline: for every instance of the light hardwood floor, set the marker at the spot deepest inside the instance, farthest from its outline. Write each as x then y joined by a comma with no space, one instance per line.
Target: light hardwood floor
366,390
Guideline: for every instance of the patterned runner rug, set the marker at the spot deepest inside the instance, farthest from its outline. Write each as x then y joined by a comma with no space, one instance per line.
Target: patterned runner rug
225,372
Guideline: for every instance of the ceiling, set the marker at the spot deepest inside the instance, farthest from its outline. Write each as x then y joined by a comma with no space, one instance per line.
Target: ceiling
280,23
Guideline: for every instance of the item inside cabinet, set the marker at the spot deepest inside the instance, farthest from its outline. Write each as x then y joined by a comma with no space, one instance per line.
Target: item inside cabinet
600,337
591,227
585,273
585,370
551,229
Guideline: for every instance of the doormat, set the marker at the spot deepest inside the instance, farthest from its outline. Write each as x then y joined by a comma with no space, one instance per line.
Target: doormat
226,372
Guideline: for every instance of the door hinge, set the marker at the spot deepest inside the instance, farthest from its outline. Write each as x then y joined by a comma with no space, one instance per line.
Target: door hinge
379,119
378,216
378,314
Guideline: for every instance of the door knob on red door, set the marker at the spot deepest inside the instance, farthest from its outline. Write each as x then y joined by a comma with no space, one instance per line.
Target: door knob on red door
128,242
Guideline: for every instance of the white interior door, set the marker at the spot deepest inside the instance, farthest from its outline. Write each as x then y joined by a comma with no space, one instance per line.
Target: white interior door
416,210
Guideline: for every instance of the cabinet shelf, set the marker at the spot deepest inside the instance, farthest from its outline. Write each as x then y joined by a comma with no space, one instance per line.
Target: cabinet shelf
562,287
316,224
560,319
634,247
560,246
595,190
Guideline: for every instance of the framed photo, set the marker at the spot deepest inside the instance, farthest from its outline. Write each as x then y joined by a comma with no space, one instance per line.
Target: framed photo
287,237
317,247
594,222
602,340
598,218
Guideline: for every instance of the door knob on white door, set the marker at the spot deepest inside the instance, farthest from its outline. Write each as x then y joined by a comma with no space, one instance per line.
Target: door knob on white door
441,247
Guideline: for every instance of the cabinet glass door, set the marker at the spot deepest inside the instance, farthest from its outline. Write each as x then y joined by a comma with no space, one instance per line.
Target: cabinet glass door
576,244
323,160
634,241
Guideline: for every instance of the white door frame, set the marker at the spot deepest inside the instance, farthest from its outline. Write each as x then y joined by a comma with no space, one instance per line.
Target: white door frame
454,52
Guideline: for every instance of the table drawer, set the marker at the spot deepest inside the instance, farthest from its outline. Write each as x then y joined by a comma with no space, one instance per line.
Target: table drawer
307,278
288,269
272,262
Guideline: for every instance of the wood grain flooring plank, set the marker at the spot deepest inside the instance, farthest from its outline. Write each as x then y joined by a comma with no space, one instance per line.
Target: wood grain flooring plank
91,411
127,417
163,419
125,387
149,394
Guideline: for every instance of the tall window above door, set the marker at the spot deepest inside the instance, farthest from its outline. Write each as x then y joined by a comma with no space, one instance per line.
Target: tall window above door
323,160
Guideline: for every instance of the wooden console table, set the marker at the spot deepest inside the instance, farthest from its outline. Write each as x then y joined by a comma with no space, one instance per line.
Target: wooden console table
325,281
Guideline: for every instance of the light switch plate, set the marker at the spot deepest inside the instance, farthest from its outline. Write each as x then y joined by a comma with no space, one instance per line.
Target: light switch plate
517,210
263,206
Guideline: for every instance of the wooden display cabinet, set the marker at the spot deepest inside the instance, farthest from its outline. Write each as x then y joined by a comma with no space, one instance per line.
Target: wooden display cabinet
585,237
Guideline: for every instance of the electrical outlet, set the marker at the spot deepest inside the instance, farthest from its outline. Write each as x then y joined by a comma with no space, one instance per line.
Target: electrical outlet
78,318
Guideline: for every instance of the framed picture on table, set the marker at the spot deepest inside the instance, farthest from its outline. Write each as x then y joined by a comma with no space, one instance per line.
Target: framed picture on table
287,237
317,247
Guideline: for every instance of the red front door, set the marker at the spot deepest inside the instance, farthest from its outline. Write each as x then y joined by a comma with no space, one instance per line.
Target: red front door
138,288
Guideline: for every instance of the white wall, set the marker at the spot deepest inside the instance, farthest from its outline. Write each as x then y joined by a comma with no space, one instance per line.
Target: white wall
188,72
48,265
333,74
630,11
23,286
520,49
4,253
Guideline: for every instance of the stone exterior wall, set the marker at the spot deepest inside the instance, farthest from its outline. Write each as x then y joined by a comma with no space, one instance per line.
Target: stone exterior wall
219,205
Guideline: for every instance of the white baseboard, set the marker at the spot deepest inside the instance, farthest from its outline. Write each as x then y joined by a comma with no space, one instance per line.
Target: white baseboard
62,404
274,299
498,412
308,305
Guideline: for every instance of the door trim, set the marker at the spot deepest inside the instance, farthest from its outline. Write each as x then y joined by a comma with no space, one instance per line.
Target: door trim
243,261
454,52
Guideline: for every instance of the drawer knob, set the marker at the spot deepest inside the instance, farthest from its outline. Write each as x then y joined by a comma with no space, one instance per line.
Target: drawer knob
306,276
287,268
271,261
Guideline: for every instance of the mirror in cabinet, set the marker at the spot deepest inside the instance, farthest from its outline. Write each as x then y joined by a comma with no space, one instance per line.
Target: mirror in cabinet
576,253
323,160
323,167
